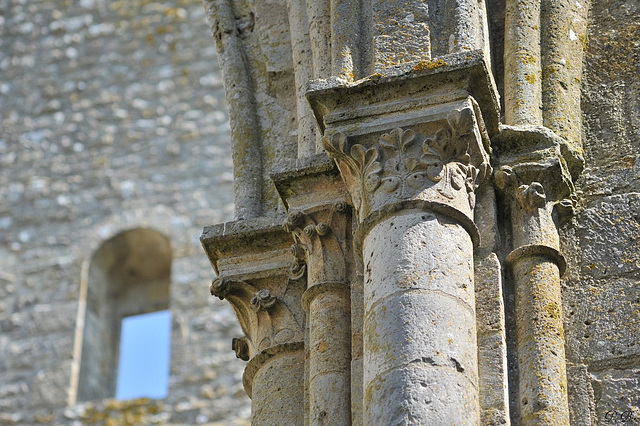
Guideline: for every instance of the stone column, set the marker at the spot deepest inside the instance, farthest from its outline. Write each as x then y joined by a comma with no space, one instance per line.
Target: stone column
420,351
411,175
252,259
321,228
243,113
535,182
274,382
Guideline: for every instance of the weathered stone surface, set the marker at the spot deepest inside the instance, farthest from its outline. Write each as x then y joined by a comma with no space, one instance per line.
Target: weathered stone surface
260,85
609,231
437,397
602,320
277,378
600,290
616,395
320,223
492,347
419,257
112,117
581,397
417,318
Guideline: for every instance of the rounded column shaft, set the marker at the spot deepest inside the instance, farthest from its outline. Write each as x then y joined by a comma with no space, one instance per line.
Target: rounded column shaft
271,400
321,240
523,82
329,357
540,342
537,264
420,351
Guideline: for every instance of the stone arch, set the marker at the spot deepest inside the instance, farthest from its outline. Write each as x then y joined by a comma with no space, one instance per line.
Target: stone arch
129,274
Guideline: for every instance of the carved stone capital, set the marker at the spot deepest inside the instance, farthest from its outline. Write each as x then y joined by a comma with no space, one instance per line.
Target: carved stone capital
442,161
531,210
319,220
220,288
321,238
418,138
532,185
529,154
252,259
266,319
531,197
299,265
536,177
263,300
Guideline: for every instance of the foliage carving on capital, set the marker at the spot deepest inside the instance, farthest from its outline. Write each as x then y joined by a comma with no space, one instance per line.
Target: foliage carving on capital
320,238
531,209
299,265
402,164
265,317
530,194
263,300
359,167
220,288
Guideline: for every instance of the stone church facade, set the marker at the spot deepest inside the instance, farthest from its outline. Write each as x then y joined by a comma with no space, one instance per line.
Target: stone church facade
437,209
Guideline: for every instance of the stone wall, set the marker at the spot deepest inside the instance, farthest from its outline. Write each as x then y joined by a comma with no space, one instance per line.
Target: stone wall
601,290
112,117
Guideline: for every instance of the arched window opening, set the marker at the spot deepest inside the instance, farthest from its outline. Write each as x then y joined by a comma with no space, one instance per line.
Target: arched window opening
128,276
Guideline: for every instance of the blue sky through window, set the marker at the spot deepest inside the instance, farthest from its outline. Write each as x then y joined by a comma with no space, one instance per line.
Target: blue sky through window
143,368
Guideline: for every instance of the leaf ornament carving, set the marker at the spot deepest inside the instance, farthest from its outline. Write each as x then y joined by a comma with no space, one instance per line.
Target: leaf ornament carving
531,196
360,164
446,156
404,173
266,318
402,164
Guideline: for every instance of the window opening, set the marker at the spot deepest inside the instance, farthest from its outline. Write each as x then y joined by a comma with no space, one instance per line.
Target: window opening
143,367
127,276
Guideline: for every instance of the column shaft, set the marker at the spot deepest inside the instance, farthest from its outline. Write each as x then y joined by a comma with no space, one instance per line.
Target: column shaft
319,15
420,351
243,118
302,58
273,403
540,342
523,82
329,355
322,235
537,265
345,39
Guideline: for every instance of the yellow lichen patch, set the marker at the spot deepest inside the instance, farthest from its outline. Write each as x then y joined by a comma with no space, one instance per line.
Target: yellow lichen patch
531,78
553,310
323,346
526,58
115,412
428,64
